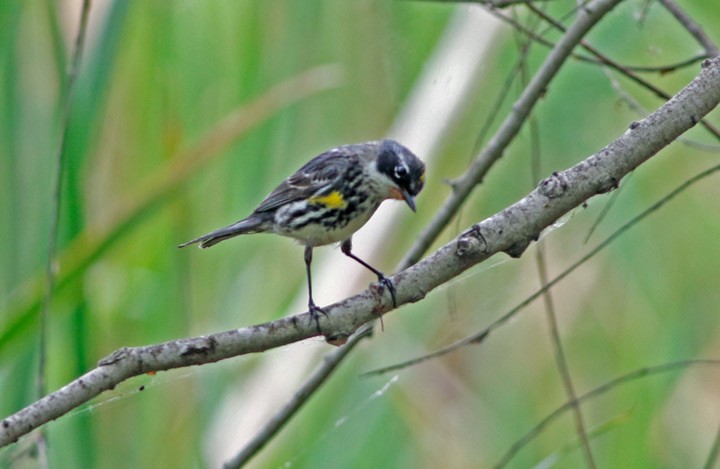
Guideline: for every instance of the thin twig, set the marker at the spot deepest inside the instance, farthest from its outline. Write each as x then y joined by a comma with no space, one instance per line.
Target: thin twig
504,91
494,110
550,313
620,68
665,69
560,359
712,458
537,37
661,69
66,97
302,395
636,107
692,27
600,390
490,3
603,213
483,334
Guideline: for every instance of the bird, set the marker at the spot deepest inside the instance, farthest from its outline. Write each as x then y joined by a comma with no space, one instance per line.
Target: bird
331,197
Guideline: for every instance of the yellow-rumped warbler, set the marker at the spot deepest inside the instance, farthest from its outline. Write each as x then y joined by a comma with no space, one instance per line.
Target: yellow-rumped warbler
330,198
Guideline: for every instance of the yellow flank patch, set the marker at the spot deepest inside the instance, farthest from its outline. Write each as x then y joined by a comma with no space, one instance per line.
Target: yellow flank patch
332,200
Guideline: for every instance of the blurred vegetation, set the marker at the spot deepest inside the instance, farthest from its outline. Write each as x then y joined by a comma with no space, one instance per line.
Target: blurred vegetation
146,171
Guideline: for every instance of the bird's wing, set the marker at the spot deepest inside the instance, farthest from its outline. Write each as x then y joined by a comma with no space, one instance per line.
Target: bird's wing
317,174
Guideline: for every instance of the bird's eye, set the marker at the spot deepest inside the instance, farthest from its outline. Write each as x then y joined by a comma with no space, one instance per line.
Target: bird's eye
400,171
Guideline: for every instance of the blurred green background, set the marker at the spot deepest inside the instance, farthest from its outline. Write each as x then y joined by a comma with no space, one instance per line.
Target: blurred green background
147,170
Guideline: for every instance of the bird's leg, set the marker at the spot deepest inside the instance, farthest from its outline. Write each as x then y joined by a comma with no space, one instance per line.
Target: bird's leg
346,248
312,308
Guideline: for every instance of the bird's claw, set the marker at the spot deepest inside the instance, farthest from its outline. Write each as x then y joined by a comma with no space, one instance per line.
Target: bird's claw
391,288
315,312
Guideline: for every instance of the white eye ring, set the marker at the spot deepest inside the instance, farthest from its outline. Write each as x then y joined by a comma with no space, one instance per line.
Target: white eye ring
400,171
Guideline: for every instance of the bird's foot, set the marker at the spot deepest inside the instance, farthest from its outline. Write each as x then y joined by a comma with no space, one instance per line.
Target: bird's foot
389,285
315,312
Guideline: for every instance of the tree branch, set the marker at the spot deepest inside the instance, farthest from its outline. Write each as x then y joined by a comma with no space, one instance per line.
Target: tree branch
586,19
510,231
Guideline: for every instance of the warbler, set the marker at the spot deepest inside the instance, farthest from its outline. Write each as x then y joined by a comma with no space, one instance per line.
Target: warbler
331,197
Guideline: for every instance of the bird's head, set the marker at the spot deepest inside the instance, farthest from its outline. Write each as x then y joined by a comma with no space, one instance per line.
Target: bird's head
403,170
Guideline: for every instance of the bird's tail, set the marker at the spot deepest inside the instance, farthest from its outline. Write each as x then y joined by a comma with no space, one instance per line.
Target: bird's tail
246,226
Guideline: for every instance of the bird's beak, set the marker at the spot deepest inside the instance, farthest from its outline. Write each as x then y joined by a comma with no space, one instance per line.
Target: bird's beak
408,199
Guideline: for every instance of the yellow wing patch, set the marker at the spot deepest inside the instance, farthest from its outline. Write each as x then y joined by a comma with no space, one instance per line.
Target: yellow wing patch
332,200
